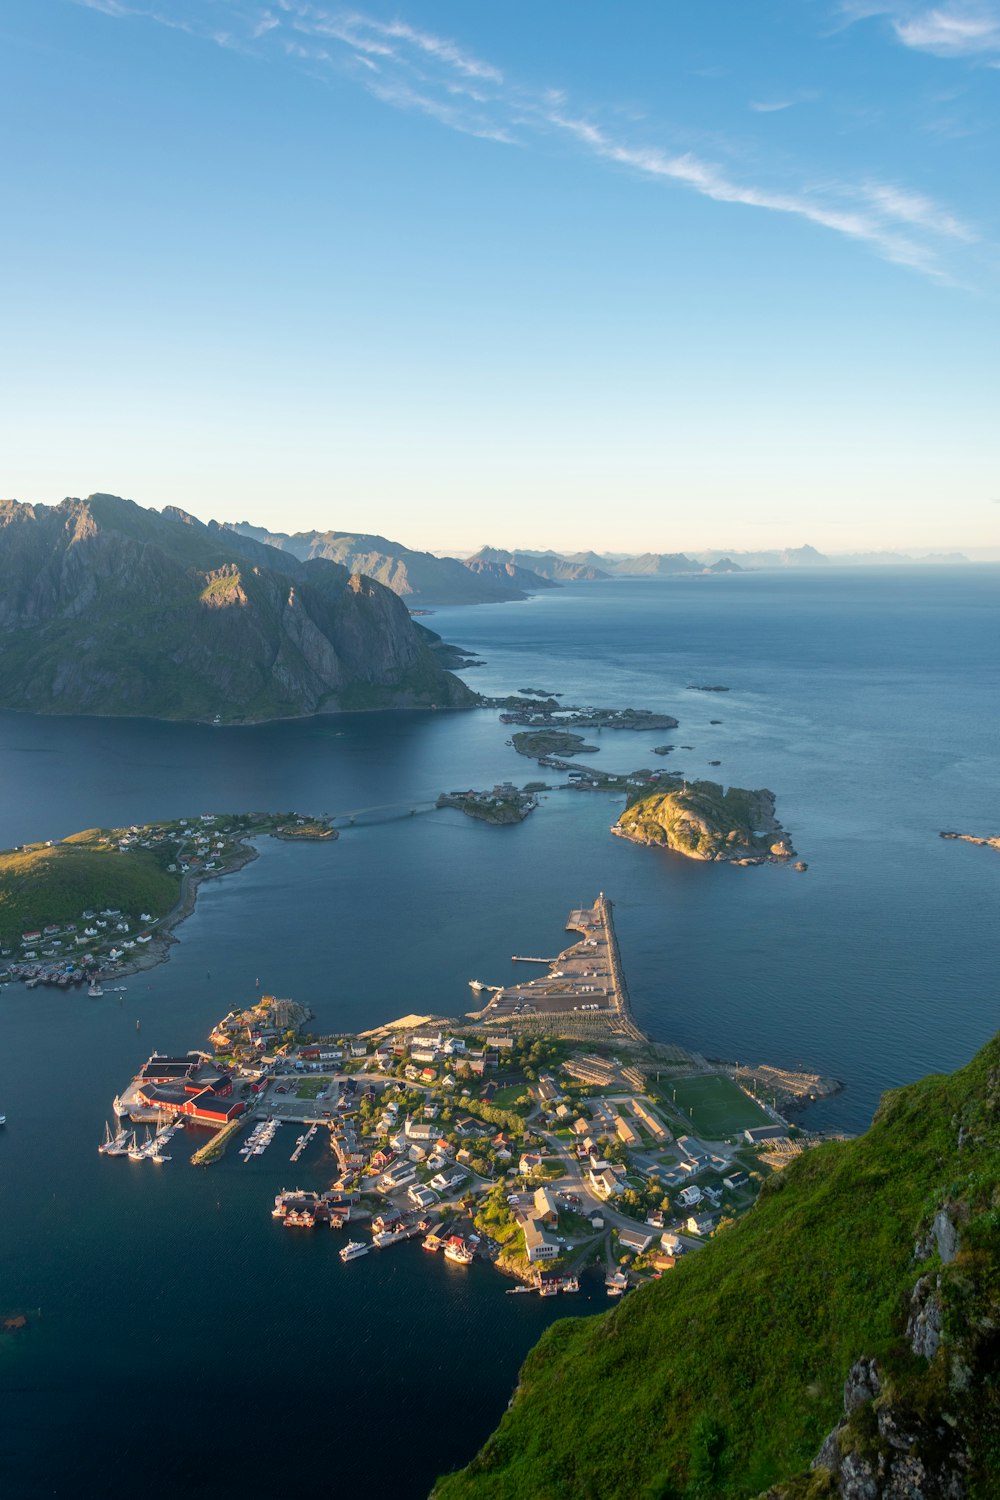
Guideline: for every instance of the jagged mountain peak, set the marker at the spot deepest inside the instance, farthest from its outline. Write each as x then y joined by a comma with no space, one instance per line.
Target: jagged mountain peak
106,607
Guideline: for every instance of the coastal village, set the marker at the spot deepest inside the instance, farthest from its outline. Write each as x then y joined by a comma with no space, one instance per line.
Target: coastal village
150,872
496,1138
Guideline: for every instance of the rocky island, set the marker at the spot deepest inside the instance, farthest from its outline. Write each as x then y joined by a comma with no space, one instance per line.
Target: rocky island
550,715
972,838
703,820
505,804
540,743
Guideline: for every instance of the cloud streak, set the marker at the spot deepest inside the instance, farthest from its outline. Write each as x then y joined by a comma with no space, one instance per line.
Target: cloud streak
969,29
418,71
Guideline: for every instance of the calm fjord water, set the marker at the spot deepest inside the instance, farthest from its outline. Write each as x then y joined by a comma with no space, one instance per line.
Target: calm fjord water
180,1326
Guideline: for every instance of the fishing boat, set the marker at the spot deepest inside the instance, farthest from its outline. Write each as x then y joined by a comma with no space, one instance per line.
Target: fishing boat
119,1107
95,991
352,1250
457,1250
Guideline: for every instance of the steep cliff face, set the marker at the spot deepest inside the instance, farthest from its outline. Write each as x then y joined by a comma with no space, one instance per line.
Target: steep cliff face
841,1340
108,608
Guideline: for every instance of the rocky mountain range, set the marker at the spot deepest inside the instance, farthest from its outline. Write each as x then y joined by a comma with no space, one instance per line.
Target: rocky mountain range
418,577
108,608
587,566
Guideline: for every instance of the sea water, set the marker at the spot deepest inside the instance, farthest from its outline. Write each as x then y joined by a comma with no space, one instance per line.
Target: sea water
183,1334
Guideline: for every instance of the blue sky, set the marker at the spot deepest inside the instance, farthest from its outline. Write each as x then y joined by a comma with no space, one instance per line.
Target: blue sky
644,275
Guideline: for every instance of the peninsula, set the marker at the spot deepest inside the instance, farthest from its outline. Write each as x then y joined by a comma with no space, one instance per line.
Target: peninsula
103,903
494,1136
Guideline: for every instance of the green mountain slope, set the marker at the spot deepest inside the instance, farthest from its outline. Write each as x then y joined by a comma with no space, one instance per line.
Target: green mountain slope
108,608
854,1313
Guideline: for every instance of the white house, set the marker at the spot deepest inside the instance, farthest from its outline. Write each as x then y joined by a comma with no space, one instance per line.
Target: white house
604,1182
701,1224
635,1239
447,1182
538,1244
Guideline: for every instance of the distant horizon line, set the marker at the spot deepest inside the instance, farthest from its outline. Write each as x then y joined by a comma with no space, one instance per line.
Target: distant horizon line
940,554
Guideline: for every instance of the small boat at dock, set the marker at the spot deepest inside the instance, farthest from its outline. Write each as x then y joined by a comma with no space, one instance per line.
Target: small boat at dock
457,1250
114,1145
353,1250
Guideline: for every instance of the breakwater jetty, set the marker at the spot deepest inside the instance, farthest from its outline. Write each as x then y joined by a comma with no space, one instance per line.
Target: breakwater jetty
624,1004
583,994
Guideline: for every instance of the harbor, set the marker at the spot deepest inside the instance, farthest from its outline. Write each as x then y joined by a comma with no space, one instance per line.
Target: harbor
493,1138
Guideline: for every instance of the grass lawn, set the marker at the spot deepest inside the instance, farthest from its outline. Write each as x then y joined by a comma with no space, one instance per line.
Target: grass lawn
311,1088
714,1105
507,1097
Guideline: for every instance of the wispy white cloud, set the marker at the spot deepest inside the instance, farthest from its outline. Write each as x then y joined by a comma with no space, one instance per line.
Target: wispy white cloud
410,69
951,31
109,7
914,208
966,29
770,107
267,22
711,182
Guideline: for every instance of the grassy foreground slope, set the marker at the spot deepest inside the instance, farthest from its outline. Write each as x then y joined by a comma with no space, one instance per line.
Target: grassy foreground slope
725,1378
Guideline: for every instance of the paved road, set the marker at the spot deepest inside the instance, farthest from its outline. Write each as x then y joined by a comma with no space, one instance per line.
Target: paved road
579,1184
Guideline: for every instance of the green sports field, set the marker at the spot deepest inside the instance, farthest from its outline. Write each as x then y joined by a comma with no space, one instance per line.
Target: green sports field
714,1105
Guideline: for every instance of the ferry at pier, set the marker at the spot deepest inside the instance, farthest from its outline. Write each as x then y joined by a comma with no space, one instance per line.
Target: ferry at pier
352,1250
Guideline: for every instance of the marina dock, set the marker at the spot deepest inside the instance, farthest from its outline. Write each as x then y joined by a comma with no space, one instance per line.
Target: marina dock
303,1141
